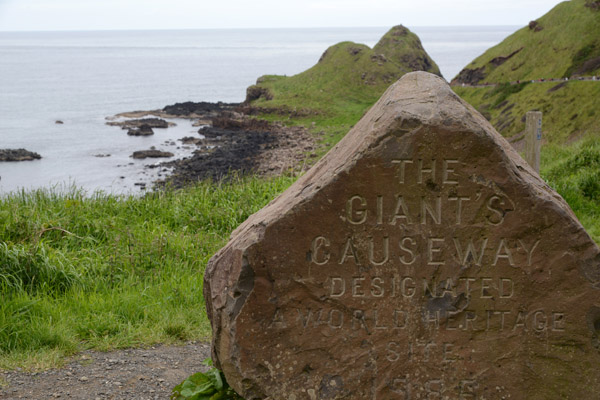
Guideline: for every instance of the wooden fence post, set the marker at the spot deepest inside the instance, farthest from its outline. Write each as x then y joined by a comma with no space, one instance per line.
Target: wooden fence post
533,139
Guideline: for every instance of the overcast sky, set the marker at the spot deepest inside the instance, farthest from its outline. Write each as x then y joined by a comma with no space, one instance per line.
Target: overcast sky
203,14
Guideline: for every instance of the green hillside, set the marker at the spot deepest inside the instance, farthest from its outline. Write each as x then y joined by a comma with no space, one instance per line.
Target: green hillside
347,80
563,43
528,71
570,108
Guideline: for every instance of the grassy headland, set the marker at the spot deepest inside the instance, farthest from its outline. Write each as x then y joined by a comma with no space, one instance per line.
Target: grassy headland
347,80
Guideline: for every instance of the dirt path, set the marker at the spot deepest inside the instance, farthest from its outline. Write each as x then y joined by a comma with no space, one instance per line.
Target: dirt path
140,374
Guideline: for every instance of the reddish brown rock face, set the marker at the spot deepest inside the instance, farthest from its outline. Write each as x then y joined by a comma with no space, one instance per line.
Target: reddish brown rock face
420,259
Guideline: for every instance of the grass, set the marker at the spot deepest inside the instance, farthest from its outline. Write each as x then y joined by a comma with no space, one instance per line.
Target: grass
106,272
570,110
570,35
574,172
349,78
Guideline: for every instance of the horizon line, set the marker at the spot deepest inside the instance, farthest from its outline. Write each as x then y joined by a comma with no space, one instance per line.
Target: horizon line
251,28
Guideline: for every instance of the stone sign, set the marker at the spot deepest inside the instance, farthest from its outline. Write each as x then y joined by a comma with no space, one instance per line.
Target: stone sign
421,258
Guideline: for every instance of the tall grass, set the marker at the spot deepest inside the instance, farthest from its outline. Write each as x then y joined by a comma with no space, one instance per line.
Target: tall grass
574,171
106,272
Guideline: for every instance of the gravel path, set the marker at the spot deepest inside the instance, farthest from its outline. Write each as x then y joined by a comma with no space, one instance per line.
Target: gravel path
140,374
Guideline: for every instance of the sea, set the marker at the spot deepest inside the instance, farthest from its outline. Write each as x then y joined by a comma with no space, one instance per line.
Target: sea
83,78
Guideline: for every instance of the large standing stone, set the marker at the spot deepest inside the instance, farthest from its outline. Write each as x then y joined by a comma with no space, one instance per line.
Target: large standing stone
420,259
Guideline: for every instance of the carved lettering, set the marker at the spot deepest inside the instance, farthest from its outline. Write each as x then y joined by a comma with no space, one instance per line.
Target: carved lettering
447,171
408,245
349,252
503,252
317,256
336,319
356,215
278,320
470,254
434,251
359,321
386,251
422,171
374,320
402,171
377,288
529,251
459,207
338,287
400,212
558,321
357,289
493,205
434,211
400,319
507,288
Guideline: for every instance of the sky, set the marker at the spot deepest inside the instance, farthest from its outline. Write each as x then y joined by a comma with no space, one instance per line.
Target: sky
42,15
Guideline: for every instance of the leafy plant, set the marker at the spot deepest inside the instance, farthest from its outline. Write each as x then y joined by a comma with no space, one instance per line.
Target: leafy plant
210,385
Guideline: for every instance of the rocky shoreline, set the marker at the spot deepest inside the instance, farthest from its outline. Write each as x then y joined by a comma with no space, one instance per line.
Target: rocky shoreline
18,155
230,142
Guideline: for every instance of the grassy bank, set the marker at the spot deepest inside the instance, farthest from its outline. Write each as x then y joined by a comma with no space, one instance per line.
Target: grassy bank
108,272
570,108
574,171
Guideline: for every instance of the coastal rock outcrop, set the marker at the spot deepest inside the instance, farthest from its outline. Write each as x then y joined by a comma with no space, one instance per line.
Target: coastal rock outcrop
192,109
143,130
152,153
138,123
236,144
18,155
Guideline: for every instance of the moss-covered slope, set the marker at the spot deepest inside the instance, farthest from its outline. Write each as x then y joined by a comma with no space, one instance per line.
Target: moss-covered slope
563,43
348,78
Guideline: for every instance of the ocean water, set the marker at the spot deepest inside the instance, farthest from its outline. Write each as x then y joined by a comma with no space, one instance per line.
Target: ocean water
81,78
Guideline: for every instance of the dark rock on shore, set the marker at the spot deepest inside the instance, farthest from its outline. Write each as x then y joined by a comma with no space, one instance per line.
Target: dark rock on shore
58,122
152,153
234,142
255,92
234,151
143,130
191,140
238,145
138,123
18,155
191,109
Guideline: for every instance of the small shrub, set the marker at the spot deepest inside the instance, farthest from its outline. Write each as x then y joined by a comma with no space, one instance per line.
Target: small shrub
210,385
